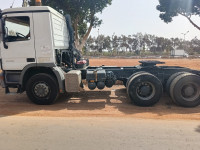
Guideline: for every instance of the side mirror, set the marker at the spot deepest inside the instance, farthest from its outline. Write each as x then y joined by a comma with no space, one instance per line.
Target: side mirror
1,31
3,34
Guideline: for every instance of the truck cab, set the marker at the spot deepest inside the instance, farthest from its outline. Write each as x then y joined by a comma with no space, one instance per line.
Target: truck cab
31,38
32,34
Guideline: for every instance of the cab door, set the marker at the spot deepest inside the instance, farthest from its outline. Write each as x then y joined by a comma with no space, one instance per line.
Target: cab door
20,41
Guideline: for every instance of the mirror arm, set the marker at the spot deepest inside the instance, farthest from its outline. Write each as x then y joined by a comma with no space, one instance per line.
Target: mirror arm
4,32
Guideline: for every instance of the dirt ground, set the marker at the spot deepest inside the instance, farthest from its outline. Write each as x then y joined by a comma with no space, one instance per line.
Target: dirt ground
190,63
106,103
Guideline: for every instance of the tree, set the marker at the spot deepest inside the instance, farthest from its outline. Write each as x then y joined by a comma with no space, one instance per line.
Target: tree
99,42
115,42
172,8
124,43
25,3
107,43
194,46
142,44
83,13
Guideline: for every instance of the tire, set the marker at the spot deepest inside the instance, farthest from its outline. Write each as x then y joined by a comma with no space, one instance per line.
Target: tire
42,89
128,81
169,81
145,89
185,90
124,82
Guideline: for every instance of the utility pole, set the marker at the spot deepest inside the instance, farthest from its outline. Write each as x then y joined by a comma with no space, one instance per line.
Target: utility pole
98,45
184,34
38,3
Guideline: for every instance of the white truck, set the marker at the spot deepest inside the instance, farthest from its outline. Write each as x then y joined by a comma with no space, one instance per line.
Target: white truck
179,53
37,56
31,37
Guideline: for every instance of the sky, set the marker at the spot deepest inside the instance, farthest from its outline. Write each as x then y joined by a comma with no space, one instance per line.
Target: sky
127,17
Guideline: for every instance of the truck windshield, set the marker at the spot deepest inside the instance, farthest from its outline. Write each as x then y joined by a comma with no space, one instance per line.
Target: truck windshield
17,29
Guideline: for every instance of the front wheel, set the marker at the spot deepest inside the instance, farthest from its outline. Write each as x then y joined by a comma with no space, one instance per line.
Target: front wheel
42,89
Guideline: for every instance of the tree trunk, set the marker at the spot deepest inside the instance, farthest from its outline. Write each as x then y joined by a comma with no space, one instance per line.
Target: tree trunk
80,45
195,25
190,20
76,32
80,42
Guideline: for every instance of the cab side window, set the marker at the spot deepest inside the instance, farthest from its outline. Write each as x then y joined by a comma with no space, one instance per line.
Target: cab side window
17,29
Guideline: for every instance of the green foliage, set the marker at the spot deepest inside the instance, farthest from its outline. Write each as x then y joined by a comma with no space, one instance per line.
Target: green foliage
83,14
172,8
138,45
81,11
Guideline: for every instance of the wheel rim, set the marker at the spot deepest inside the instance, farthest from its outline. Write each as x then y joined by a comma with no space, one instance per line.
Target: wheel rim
41,90
190,92
145,90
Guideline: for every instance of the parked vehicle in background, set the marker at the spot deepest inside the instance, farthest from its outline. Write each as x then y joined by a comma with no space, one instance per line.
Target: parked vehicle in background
179,53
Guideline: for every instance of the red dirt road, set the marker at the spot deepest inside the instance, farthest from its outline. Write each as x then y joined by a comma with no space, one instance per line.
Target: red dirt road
190,63
109,102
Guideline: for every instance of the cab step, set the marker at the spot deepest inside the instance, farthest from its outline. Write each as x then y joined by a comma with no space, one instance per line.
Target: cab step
7,91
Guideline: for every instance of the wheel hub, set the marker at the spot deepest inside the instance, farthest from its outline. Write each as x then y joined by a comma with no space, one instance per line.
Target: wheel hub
145,90
189,91
41,90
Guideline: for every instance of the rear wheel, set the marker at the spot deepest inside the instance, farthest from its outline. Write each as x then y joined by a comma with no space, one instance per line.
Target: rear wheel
144,89
169,81
128,81
42,89
185,90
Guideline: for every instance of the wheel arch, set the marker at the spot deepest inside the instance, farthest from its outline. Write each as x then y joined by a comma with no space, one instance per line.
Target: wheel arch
32,70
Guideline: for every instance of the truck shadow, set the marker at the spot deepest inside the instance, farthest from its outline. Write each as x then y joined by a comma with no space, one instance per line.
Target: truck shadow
86,100
107,101
118,99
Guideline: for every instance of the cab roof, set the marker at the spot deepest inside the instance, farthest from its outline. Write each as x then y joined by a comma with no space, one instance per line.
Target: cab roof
31,9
